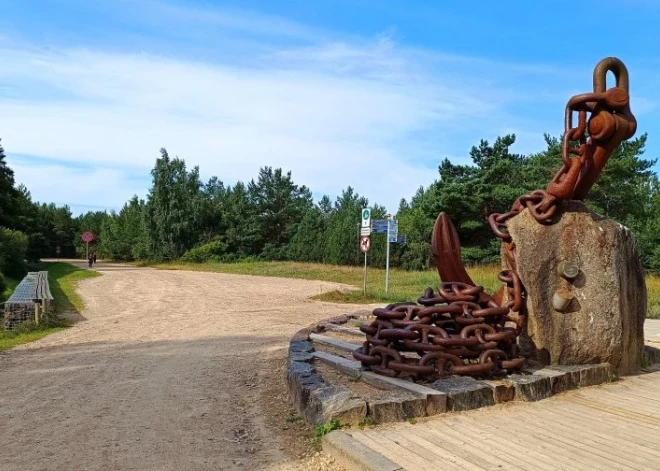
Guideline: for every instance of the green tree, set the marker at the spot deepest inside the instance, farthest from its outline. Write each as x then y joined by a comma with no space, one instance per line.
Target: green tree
172,209
343,229
7,192
13,250
242,235
278,204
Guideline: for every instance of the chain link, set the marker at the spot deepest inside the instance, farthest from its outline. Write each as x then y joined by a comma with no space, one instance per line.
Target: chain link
460,330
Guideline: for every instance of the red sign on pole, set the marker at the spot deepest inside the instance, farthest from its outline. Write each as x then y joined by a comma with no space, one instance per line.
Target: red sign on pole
365,243
87,237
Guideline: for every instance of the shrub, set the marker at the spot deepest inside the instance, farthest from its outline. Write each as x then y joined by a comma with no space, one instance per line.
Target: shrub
3,287
210,252
13,250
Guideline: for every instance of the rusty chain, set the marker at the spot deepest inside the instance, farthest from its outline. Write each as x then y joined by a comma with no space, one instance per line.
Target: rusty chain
460,330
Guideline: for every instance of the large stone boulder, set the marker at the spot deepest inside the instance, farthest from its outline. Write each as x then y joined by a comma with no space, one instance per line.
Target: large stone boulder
586,294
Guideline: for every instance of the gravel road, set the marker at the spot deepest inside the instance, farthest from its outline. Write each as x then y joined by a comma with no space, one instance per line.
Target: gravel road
167,370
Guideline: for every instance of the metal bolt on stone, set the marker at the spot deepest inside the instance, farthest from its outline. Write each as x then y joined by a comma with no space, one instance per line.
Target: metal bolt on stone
568,270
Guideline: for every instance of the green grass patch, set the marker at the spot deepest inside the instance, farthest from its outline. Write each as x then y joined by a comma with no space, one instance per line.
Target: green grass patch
63,279
653,296
26,333
403,285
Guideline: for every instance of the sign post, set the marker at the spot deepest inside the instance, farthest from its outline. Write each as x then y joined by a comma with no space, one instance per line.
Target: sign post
392,232
366,217
57,251
87,237
365,245
365,242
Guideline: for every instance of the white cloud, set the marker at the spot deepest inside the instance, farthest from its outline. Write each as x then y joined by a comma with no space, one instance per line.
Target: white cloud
336,111
331,128
99,188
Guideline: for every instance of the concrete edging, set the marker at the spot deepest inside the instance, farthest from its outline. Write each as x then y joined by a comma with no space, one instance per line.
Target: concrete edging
354,455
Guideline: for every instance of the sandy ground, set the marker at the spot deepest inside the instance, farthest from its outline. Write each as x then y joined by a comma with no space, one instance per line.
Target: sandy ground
167,370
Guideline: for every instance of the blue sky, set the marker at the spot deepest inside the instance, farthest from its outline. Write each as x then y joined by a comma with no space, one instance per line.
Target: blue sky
361,93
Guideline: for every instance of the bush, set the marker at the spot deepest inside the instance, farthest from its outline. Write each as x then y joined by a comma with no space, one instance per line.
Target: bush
13,250
482,255
3,287
214,251
417,256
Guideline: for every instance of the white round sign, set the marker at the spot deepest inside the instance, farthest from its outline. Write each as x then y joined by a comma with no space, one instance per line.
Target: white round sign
365,243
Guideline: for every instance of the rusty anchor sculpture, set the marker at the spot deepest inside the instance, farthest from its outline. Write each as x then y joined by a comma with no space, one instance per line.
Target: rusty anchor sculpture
461,329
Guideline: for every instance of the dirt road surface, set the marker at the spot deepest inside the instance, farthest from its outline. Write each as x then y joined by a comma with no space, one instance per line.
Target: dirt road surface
168,370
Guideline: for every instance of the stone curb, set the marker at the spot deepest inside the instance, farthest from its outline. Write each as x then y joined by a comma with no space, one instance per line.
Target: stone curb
354,455
318,401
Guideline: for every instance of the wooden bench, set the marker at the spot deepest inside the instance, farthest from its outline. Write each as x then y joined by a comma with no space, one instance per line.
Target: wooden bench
30,300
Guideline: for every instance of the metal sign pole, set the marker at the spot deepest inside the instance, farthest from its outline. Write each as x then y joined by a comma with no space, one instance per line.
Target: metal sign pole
387,265
87,250
365,274
387,256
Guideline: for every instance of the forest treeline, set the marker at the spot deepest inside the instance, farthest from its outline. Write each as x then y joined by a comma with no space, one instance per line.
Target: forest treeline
273,218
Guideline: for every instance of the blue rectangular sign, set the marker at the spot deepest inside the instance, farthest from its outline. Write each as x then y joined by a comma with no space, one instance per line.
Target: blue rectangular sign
392,230
379,226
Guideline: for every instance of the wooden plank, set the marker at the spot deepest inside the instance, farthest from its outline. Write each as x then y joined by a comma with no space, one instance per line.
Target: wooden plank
585,433
591,430
408,458
611,427
390,451
614,407
431,454
457,455
474,455
324,339
518,448
344,330
436,401
571,447
350,367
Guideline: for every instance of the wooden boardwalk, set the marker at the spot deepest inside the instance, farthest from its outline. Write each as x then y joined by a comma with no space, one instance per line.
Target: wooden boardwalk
610,427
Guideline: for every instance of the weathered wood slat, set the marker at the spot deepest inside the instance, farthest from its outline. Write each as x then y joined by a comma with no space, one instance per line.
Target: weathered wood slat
349,347
344,330
608,427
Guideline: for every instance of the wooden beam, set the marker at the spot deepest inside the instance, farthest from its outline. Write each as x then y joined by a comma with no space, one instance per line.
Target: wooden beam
349,347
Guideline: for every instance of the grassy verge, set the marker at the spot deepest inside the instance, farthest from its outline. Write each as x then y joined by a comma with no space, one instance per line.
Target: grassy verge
63,279
403,285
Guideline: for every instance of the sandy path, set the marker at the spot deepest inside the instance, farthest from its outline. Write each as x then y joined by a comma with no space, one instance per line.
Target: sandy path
169,370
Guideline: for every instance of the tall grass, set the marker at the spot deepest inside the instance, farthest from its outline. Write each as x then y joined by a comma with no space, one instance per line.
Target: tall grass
403,285
62,279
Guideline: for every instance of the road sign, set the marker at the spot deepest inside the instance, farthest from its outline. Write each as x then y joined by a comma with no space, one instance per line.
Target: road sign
379,226
365,231
87,237
401,239
57,250
365,243
366,217
392,230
